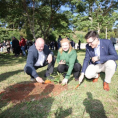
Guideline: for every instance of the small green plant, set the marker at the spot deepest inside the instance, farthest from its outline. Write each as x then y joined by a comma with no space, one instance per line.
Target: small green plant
57,77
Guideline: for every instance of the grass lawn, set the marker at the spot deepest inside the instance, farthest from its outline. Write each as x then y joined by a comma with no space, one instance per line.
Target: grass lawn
89,100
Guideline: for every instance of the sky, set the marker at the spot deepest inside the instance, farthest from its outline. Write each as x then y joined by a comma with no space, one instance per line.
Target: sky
63,8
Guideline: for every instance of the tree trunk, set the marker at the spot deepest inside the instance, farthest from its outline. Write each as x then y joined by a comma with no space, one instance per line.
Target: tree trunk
98,28
106,32
31,20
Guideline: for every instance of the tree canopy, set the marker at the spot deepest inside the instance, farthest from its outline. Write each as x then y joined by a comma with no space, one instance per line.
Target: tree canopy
39,18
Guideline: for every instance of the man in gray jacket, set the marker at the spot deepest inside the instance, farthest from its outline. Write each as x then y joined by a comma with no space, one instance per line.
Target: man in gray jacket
39,56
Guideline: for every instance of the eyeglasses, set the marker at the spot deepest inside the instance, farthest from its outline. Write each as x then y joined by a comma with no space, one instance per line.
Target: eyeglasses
91,41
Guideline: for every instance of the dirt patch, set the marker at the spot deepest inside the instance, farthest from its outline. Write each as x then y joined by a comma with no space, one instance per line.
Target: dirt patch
31,91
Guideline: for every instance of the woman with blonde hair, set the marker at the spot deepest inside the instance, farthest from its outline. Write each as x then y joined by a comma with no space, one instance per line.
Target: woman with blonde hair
67,60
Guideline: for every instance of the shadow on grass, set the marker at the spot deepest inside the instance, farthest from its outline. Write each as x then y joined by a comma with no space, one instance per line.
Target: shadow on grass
60,113
9,59
27,109
93,107
34,108
4,76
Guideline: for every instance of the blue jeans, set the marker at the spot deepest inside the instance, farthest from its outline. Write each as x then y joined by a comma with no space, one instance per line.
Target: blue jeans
23,50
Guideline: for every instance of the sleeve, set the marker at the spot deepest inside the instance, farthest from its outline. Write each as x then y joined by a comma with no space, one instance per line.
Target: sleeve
112,54
86,60
30,64
72,59
58,57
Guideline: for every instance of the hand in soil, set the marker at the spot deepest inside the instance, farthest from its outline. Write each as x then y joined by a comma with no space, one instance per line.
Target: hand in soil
64,81
40,80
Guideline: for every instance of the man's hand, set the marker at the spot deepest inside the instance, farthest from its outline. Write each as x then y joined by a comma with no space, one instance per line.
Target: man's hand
64,81
94,59
81,77
62,62
40,80
49,58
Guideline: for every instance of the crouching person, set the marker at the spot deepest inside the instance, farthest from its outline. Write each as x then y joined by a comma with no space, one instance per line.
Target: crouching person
100,57
67,60
39,56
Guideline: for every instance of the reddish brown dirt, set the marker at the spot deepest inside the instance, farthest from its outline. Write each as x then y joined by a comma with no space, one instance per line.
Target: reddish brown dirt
31,91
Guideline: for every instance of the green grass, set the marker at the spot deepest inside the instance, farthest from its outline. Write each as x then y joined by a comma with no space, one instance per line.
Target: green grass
88,101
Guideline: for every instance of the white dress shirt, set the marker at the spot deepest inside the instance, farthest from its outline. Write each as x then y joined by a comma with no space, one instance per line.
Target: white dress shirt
97,51
41,59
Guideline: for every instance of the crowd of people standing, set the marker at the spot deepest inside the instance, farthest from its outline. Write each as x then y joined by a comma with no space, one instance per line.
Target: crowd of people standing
18,47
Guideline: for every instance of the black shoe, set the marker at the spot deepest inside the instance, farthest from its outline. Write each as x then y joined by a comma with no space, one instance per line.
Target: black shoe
49,77
77,79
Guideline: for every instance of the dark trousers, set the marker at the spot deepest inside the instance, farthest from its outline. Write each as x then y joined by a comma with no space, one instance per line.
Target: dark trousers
76,69
8,50
16,50
32,70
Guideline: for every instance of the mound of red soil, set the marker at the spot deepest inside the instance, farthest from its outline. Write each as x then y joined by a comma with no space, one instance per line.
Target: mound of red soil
31,91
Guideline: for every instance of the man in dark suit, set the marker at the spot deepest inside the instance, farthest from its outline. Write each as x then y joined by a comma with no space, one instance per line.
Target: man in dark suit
100,57
15,46
39,56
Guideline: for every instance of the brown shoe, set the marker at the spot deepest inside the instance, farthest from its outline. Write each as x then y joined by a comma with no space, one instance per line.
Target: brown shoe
106,86
96,79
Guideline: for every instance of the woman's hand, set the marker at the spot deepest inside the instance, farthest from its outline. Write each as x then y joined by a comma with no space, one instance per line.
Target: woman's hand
64,81
62,62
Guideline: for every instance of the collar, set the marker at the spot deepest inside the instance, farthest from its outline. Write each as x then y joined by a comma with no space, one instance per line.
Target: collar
98,44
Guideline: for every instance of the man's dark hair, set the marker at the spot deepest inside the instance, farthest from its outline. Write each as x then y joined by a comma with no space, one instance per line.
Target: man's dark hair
91,34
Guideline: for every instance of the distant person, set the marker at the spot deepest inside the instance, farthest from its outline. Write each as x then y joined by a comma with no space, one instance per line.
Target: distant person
39,56
29,44
68,62
20,51
4,45
11,46
59,39
79,45
1,47
15,46
67,37
56,45
113,40
8,46
72,44
23,45
100,57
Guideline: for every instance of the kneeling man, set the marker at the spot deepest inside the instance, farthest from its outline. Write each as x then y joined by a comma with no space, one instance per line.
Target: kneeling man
100,57
39,56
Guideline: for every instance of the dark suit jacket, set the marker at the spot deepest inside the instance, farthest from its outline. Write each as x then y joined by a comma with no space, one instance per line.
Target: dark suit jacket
15,43
33,57
107,52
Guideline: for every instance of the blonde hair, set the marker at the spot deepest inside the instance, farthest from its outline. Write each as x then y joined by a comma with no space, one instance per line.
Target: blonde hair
63,41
